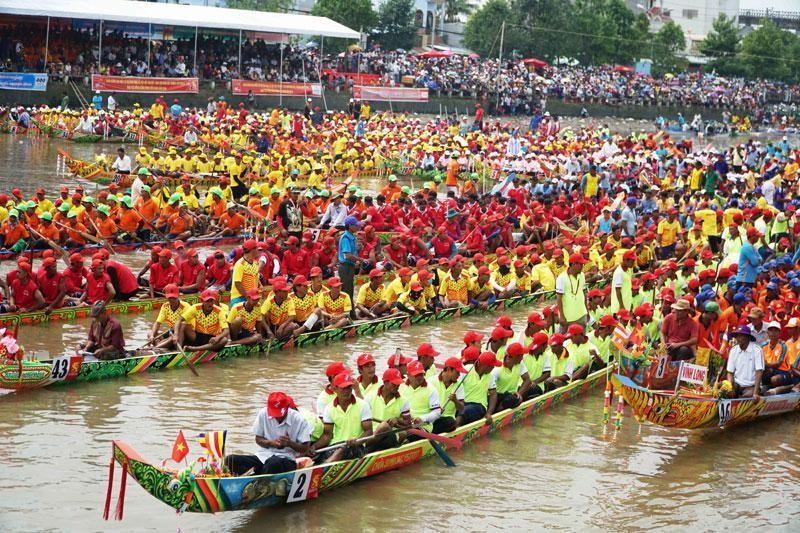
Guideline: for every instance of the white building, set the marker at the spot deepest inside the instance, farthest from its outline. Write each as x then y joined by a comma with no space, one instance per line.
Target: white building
695,17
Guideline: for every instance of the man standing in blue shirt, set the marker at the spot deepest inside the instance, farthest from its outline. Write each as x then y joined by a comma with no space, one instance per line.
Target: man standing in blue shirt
175,109
628,218
97,101
749,259
348,255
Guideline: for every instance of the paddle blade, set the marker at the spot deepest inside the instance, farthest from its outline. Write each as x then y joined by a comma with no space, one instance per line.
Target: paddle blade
441,453
450,442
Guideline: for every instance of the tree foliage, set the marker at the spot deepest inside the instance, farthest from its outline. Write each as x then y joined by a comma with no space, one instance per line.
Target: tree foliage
721,45
396,24
355,14
274,6
453,9
668,42
482,30
769,52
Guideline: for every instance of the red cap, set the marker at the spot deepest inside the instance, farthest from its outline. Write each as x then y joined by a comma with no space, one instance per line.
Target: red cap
753,232
691,263
426,349
538,340
503,260
515,349
278,404
706,254
404,272
335,368
472,336
415,287
556,338
376,273
334,282
488,359
76,258
455,362
191,252
172,291
623,314
398,360
423,275
415,368
48,261
315,271
249,244
575,329
254,294
470,354
209,294
536,318
343,380
607,321
504,321
484,271
577,259
630,255
165,253
365,359
392,375
499,333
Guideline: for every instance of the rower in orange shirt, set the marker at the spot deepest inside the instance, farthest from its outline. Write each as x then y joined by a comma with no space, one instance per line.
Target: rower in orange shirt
105,224
217,205
231,222
47,229
76,230
392,190
129,220
179,225
147,207
13,232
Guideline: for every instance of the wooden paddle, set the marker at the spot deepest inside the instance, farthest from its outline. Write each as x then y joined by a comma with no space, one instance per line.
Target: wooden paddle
107,244
448,441
154,340
87,236
51,243
188,362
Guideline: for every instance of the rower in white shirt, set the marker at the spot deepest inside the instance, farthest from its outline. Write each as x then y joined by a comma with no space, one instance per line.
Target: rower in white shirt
282,434
745,364
122,165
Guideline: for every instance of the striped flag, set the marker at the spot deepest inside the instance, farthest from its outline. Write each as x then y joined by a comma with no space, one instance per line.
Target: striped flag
214,442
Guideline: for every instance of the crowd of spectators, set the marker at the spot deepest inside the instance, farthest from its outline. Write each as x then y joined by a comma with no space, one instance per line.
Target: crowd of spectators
511,86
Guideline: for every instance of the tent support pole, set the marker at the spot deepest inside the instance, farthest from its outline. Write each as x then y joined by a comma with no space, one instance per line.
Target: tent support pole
319,72
240,54
196,29
100,49
46,44
149,44
280,75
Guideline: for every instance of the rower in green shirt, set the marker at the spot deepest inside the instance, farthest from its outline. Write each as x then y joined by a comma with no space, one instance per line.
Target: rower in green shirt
451,394
537,361
511,378
389,411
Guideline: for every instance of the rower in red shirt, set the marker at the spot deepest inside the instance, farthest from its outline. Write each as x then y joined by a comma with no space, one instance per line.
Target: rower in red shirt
74,276
443,245
218,271
98,284
192,274
122,277
294,260
162,273
52,284
24,294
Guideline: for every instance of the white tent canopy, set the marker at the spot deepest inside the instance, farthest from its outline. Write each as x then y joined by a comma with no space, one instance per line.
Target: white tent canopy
179,15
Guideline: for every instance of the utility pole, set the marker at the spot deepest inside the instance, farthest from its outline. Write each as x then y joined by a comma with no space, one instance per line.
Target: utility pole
499,65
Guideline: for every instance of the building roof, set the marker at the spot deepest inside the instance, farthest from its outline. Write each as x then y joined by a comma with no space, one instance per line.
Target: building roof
179,15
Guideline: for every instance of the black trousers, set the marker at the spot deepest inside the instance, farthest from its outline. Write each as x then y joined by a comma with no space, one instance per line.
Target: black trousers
507,400
347,273
444,424
681,354
239,464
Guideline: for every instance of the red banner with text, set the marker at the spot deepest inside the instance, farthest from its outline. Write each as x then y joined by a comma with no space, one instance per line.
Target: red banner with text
391,94
134,84
274,88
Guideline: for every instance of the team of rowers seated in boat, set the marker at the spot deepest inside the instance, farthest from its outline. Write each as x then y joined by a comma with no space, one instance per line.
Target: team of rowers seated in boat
370,409
302,305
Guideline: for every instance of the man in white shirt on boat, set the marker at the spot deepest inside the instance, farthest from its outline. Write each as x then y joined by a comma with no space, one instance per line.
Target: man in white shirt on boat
122,165
282,434
745,364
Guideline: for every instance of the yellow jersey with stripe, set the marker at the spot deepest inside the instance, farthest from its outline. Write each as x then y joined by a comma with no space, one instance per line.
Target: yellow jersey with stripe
334,306
456,290
418,304
249,318
210,324
305,306
394,289
277,313
168,317
245,272
369,297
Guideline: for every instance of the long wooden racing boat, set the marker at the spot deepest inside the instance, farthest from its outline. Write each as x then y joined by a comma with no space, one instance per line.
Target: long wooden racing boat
686,411
213,494
89,249
68,370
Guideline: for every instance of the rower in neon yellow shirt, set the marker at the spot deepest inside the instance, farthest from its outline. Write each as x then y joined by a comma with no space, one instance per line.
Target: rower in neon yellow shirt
346,419
571,292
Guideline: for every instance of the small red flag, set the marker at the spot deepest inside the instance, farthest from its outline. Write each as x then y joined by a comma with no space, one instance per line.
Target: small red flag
180,449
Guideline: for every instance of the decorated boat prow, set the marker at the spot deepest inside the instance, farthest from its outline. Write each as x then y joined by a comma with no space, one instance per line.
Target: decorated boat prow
185,490
694,411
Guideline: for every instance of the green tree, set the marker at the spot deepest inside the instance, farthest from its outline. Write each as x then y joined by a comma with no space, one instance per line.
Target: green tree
721,44
355,14
274,6
453,9
543,27
668,43
482,30
769,52
396,24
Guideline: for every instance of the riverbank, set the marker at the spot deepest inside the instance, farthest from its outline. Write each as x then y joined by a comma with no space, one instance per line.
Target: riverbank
437,104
